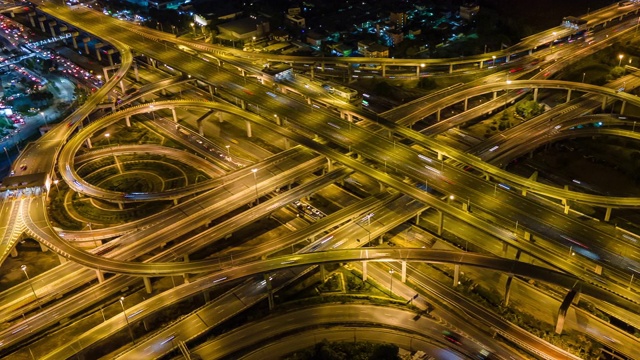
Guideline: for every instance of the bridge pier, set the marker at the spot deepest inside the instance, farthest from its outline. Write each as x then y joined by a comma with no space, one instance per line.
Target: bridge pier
507,290
417,71
100,276
607,215
384,70
495,95
267,278
86,40
535,94
364,271
147,284
323,272
173,113
89,143
505,249
185,277
568,95
41,20
329,165
287,145
604,102
438,115
32,21
418,218
456,275
508,58
450,68
572,297
440,222
212,91
43,248
248,124
52,27
14,252
466,103
110,53
98,46
127,120
404,272
624,104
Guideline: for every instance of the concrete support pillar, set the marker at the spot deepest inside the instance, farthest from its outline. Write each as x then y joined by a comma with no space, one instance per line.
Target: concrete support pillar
440,222
505,248
566,207
110,53
535,94
329,165
568,95
495,95
41,20
527,235
562,312
248,123
89,143
243,105
62,259
32,16
384,70
147,284
185,277
604,102
99,46
120,205
127,120
14,252
287,145
364,271
312,71
175,201
75,42
440,156
481,64
466,103
211,91
418,71
85,41
438,115
267,278
418,218
607,215
404,271
624,104
43,248
106,75
173,113
456,275
52,27
100,276
200,128
323,272
507,290
450,68
122,86
508,58
185,258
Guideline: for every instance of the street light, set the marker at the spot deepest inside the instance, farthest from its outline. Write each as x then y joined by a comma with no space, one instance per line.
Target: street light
193,27
451,198
44,117
107,135
583,75
620,60
24,269
493,62
391,282
255,179
127,320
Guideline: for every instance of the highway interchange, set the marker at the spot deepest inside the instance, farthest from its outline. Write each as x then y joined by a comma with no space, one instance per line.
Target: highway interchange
329,141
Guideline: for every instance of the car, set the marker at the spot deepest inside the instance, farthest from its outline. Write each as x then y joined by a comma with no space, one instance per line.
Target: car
23,167
452,337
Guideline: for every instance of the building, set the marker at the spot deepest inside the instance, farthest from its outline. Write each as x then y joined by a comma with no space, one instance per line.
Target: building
372,49
396,36
399,18
469,11
280,35
243,29
294,10
295,20
340,49
315,39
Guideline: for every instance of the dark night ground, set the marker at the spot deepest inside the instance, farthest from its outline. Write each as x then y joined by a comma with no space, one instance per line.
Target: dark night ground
543,14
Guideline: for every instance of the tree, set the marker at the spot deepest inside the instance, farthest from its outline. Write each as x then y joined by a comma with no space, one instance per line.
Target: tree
385,352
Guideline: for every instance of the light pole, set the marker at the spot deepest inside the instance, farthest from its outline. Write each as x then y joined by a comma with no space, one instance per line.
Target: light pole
253,41
451,198
24,269
620,60
127,320
44,117
391,282
583,75
255,179
8,158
